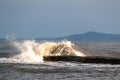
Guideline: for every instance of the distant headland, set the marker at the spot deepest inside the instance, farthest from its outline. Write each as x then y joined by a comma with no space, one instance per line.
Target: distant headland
88,36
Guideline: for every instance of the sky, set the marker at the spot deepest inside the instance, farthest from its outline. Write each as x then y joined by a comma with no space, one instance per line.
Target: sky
57,18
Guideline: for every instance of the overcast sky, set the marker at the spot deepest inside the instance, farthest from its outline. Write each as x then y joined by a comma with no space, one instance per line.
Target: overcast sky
56,18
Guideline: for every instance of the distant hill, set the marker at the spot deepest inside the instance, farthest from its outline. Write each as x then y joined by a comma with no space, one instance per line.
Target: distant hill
89,36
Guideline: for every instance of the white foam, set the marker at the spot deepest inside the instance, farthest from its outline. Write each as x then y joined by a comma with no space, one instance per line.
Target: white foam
31,51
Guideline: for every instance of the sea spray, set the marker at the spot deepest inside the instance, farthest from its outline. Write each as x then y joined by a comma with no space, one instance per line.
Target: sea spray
26,51
31,51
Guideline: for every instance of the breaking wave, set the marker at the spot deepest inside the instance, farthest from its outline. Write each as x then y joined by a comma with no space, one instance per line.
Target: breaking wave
30,51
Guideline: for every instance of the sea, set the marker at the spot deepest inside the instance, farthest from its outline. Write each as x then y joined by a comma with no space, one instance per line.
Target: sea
23,60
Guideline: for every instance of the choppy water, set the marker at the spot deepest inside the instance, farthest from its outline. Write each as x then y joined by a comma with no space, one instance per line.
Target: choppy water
59,71
25,65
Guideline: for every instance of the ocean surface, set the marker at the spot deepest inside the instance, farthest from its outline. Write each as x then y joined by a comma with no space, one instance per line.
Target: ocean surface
23,60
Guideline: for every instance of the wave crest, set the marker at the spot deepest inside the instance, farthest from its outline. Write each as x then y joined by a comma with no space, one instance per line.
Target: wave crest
32,51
